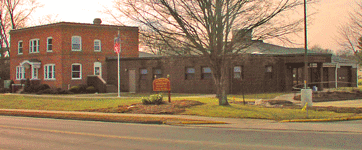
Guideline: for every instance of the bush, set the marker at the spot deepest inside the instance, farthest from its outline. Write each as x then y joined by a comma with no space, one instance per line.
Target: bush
156,99
35,88
4,90
54,91
74,89
91,89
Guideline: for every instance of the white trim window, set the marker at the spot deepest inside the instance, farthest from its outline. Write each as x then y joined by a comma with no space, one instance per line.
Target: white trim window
34,46
49,72
20,72
49,44
20,47
76,43
76,71
97,45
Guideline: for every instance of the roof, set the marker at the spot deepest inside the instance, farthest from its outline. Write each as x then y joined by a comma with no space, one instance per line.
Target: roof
76,24
260,47
145,54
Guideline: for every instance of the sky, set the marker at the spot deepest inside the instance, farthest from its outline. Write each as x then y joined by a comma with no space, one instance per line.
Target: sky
322,30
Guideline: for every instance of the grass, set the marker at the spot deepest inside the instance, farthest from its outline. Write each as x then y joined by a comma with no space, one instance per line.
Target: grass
211,107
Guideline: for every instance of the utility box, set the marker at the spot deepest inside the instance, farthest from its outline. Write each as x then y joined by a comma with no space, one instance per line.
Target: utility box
306,97
7,84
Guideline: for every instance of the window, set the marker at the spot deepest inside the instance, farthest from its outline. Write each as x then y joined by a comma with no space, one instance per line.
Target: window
76,43
238,72
143,74
157,73
206,73
49,72
190,73
97,69
76,71
34,46
97,45
269,72
49,44
20,73
20,47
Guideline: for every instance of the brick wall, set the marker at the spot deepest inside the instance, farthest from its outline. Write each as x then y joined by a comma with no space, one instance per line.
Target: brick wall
62,55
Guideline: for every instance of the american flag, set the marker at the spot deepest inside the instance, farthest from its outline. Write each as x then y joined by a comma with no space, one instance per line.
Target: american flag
117,45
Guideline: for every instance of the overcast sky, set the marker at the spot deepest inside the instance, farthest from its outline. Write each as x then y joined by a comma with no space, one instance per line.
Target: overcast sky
323,31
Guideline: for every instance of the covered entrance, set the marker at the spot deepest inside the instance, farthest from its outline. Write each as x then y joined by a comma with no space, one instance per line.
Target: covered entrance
31,68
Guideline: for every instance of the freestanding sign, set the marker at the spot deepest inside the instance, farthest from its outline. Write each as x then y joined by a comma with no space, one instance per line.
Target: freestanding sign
162,84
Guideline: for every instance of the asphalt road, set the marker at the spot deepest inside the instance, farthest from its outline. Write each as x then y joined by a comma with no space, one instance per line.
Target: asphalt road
38,133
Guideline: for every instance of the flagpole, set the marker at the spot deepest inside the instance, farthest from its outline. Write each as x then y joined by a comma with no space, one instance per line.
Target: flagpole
118,62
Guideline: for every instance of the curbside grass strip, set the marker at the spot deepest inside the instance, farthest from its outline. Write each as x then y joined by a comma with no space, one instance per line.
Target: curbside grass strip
107,118
323,120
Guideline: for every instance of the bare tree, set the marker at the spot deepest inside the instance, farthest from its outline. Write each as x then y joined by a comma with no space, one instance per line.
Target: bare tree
13,15
351,32
218,30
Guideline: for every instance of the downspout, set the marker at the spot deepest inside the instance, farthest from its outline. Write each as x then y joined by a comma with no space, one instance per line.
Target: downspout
357,75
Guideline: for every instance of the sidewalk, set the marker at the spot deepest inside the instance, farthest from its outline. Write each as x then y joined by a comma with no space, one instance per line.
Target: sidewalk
341,126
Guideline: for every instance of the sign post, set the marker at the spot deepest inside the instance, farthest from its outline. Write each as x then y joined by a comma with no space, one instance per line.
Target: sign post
162,84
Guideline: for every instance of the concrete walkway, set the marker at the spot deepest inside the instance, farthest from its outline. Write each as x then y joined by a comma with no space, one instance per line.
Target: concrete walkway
232,123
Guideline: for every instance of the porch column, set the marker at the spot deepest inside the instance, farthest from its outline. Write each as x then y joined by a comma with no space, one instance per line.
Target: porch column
320,69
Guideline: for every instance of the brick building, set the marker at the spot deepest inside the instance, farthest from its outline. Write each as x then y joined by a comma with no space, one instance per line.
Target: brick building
265,68
63,54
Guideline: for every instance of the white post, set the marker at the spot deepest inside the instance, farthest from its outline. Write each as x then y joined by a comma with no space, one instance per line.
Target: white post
118,62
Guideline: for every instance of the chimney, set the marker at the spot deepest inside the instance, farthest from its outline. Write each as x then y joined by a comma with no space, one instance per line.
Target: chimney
97,21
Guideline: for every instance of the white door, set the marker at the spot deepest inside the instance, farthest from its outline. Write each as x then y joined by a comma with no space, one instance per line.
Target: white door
98,69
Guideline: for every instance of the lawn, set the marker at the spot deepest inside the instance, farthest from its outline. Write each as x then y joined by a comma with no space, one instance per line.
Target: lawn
210,108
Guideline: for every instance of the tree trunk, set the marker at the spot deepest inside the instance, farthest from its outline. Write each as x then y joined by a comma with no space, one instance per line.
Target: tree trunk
220,77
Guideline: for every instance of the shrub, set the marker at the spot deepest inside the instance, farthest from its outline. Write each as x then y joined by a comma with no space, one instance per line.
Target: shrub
156,99
35,88
47,91
91,89
74,89
54,91
4,90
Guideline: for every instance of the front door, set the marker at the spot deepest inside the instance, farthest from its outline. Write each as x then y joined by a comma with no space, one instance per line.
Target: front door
98,69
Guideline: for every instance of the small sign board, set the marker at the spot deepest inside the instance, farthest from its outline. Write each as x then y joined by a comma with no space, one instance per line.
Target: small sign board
161,84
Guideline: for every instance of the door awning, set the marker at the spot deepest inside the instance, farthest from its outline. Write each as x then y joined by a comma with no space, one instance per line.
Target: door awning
33,62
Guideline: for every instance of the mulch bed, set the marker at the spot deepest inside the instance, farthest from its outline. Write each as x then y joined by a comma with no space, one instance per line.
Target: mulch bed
174,107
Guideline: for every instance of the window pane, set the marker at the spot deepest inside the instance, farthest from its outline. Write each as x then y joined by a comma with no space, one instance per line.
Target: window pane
76,46
76,67
206,70
237,69
190,70
268,69
76,75
143,71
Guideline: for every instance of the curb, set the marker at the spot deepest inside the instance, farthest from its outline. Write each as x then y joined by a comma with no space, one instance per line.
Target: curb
109,117
323,120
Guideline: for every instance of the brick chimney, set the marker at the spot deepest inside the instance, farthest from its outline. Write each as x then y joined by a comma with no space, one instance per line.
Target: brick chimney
97,21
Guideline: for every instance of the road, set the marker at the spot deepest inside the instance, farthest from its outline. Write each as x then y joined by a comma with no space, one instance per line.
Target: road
40,133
